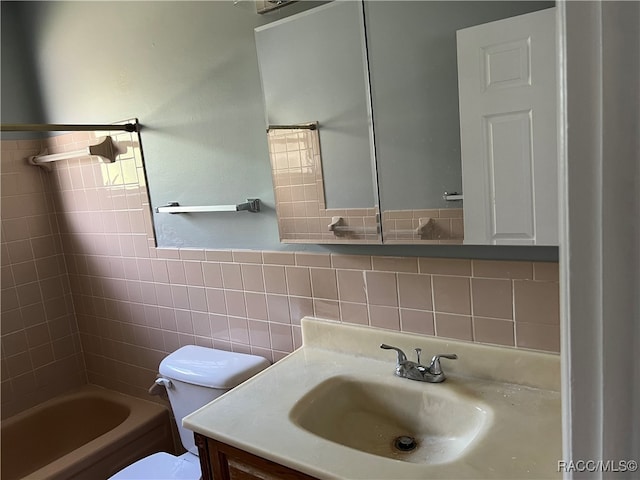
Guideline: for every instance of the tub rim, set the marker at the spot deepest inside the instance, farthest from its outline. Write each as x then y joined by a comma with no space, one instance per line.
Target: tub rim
143,417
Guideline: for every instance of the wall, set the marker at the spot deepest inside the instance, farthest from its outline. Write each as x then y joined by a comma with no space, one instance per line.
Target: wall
41,352
135,303
189,72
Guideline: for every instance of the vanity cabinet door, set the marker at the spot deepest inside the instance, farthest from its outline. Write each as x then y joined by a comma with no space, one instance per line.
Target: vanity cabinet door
220,461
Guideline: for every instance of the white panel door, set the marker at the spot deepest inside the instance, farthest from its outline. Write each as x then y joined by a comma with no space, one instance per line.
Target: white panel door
507,89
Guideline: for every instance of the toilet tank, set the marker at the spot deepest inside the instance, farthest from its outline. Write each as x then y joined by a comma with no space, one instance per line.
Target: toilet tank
199,375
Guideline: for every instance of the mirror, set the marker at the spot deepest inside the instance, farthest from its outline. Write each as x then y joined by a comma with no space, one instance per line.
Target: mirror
314,74
410,63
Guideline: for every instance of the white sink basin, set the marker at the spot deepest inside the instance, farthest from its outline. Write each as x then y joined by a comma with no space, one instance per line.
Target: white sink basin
369,415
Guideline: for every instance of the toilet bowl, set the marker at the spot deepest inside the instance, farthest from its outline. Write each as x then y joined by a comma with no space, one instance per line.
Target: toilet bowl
193,377
162,466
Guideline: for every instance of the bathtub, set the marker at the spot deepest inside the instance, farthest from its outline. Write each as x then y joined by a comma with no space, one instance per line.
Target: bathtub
90,433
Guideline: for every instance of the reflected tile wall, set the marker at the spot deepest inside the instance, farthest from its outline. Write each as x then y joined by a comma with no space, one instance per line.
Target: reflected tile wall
434,226
135,303
296,166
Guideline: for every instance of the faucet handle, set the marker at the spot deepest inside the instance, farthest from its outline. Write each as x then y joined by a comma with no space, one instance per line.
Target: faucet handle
401,356
435,367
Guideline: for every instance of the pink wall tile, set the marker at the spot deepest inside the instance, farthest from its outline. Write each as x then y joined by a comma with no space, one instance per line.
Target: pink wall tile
219,326
538,336
216,301
278,308
212,274
197,299
454,326
417,321
281,337
231,276
259,334
382,288
256,306
445,266
175,269
546,271
239,330
193,273
329,309
313,259
184,321
246,256
357,313
384,317
252,277
323,281
395,264
492,298
279,258
351,286
502,269
298,281
275,279
354,262
414,291
300,307
235,303
537,302
452,294
492,330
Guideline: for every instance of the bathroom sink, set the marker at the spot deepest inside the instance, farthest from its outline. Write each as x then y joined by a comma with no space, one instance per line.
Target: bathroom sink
410,421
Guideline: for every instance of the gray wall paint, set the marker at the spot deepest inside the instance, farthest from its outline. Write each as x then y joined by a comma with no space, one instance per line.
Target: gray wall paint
20,98
189,72
416,116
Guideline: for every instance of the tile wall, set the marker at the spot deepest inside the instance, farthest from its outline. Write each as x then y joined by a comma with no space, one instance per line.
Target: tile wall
41,353
135,303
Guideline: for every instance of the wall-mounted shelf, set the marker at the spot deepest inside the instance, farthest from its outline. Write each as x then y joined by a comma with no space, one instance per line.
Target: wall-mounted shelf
453,196
251,205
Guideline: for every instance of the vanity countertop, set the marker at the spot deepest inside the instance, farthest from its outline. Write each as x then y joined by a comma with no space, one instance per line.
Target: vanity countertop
518,389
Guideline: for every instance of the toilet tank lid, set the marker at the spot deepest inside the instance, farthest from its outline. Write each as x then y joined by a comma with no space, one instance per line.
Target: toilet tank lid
211,368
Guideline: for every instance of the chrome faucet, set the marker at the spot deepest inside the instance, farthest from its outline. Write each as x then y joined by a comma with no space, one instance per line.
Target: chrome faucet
415,371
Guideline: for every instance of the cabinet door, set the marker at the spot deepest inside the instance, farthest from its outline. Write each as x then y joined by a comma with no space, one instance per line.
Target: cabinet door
220,461
507,88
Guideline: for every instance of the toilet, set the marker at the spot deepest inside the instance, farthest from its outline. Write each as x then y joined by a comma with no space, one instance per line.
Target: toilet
193,376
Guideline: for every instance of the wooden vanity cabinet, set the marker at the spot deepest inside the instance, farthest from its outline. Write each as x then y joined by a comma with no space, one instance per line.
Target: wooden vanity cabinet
220,461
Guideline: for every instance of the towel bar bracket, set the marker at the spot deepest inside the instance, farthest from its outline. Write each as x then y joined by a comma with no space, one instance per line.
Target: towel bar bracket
252,205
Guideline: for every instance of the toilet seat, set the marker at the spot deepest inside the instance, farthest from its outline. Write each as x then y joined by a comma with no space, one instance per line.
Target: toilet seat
162,466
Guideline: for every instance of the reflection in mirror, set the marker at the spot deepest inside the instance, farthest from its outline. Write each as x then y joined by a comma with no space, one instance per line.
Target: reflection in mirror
449,166
313,68
296,165
413,58
508,130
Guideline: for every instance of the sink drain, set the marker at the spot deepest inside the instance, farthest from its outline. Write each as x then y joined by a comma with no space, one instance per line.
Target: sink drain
405,443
